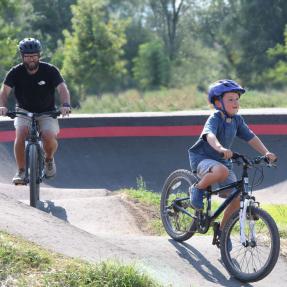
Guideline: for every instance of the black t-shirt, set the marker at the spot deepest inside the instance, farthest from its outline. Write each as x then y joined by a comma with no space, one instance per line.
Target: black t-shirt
34,93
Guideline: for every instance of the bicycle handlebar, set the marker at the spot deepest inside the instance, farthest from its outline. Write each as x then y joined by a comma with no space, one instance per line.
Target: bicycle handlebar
54,114
254,161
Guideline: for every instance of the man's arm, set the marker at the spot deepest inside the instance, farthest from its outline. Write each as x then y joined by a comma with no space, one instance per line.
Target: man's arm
64,93
4,93
64,98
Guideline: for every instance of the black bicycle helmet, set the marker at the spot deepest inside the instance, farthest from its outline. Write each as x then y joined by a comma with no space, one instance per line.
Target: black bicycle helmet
30,46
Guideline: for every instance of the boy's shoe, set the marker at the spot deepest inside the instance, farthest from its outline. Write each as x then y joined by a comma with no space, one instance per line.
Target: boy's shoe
50,168
196,197
19,177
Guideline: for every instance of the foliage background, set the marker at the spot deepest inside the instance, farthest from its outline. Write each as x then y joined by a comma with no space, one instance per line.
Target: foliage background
111,47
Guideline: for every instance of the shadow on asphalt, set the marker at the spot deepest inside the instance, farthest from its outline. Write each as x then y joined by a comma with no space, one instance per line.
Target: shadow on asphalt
49,206
204,266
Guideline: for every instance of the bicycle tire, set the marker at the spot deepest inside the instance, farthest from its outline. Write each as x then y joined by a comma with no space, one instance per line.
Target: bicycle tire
266,245
33,175
178,225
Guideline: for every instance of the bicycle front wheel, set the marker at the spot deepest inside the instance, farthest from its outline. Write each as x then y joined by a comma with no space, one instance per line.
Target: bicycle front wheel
255,258
34,182
175,199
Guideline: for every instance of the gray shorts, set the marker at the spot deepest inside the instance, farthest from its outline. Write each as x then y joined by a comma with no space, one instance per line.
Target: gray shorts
205,167
45,123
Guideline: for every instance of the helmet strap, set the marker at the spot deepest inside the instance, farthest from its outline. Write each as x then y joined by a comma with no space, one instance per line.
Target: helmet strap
222,109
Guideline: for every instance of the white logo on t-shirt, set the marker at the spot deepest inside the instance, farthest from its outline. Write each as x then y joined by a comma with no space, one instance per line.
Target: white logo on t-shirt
41,83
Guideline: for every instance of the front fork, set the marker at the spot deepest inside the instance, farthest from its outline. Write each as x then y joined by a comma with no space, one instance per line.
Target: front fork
246,203
41,160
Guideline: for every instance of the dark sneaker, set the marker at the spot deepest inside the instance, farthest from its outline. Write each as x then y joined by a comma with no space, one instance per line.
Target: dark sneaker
19,177
196,197
50,168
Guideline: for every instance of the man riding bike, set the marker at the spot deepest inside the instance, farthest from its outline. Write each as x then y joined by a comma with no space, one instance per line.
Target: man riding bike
34,83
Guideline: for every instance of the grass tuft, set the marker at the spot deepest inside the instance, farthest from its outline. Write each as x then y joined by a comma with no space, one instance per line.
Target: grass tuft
25,264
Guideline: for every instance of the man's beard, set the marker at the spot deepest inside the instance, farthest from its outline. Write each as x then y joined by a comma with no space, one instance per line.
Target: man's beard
31,67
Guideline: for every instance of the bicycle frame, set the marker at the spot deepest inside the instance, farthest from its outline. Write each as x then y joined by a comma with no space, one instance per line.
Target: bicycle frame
34,153
240,187
249,239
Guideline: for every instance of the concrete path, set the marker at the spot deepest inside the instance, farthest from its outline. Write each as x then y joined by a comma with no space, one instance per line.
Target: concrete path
95,226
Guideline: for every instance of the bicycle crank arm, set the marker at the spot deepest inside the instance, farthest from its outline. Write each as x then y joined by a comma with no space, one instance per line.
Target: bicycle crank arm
177,207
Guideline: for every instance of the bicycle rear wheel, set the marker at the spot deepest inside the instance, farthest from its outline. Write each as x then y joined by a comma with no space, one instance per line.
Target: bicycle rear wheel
255,259
175,194
34,182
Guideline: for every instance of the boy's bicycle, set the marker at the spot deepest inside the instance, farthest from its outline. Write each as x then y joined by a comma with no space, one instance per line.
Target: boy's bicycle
34,153
249,242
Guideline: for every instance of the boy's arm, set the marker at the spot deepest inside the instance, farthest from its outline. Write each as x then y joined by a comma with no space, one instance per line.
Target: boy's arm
4,93
213,141
258,145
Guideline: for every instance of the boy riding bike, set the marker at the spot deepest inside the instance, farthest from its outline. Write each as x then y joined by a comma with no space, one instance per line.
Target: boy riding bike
211,155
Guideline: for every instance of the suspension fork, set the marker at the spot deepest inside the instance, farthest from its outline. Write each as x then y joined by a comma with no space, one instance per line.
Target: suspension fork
246,201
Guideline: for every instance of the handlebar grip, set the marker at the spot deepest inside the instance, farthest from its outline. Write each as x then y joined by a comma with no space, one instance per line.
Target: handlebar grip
11,115
236,155
268,161
56,114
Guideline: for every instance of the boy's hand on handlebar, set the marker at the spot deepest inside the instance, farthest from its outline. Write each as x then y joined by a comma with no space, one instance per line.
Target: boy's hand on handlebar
271,156
226,153
3,111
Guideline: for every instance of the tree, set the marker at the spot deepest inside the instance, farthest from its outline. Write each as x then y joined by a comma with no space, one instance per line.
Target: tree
136,32
166,20
151,66
93,50
10,19
278,73
258,35
219,29
243,30
50,18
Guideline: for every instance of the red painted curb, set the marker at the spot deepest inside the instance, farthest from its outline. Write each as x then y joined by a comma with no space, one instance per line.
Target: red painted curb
145,131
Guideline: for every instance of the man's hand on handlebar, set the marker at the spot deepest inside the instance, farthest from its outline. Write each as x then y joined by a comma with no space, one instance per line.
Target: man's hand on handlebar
3,111
65,110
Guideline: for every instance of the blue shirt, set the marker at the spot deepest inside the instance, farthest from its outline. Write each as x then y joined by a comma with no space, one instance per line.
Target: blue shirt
225,131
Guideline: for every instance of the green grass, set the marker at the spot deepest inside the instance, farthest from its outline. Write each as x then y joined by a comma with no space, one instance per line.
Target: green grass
279,214
277,211
149,198
23,264
186,98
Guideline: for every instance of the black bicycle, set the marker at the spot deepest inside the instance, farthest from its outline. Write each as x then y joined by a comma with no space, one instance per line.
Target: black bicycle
34,153
249,242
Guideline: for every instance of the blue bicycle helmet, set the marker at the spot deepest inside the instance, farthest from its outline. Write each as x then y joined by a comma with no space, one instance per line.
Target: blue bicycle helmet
217,89
30,46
